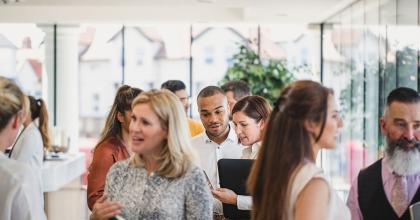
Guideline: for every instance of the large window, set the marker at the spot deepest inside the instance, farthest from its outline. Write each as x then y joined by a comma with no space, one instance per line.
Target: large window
156,53
22,56
100,75
299,46
369,49
212,50
145,56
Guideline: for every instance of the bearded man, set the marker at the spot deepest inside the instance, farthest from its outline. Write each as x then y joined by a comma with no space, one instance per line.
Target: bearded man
388,187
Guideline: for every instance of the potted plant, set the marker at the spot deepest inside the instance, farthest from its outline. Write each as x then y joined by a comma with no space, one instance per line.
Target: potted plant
265,78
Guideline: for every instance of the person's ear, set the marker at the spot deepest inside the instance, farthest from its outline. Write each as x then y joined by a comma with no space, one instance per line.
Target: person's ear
382,123
198,102
261,124
311,127
120,117
16,121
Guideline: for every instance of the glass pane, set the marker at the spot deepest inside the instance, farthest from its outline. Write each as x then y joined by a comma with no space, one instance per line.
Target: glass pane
22,56
212,51
156,53
371,59
407,35
388,56
369,49
298,46
356,146
337,75
100,76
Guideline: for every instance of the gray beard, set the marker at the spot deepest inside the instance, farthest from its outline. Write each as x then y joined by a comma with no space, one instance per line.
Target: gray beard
403,162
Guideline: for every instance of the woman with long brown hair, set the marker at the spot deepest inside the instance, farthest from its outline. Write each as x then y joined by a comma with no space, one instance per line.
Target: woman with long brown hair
113,143
285,183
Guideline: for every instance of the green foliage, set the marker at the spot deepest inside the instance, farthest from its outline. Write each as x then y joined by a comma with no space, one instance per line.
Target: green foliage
266,79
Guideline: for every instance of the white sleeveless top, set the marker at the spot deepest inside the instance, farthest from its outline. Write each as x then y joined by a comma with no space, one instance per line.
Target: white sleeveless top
337,209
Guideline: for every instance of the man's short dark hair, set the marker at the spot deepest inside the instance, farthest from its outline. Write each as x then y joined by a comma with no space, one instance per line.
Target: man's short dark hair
404,95
173,85
239,88
210,91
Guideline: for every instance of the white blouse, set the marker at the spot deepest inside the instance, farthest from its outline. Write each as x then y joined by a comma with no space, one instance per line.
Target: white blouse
20,193
337,209
249,152
29,147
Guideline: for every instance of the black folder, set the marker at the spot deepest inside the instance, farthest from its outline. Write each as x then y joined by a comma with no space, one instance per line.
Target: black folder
233,174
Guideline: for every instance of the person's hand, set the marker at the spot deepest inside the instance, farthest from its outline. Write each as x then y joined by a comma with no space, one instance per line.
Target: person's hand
104,209
225,195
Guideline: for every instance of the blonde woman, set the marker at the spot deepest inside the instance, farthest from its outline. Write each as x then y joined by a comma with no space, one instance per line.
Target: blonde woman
20,191
160,180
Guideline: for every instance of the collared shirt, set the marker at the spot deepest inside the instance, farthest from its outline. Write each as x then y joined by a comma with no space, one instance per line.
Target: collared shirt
388,181
20,193
210,152
249,152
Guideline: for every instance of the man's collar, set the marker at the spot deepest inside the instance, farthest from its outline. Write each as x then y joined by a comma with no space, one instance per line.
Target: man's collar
255,147
388,169
231,135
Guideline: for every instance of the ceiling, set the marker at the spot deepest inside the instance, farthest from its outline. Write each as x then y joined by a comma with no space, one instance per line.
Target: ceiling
205,11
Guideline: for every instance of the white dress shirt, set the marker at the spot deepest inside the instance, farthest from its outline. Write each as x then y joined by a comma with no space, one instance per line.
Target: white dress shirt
210,152
20,193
